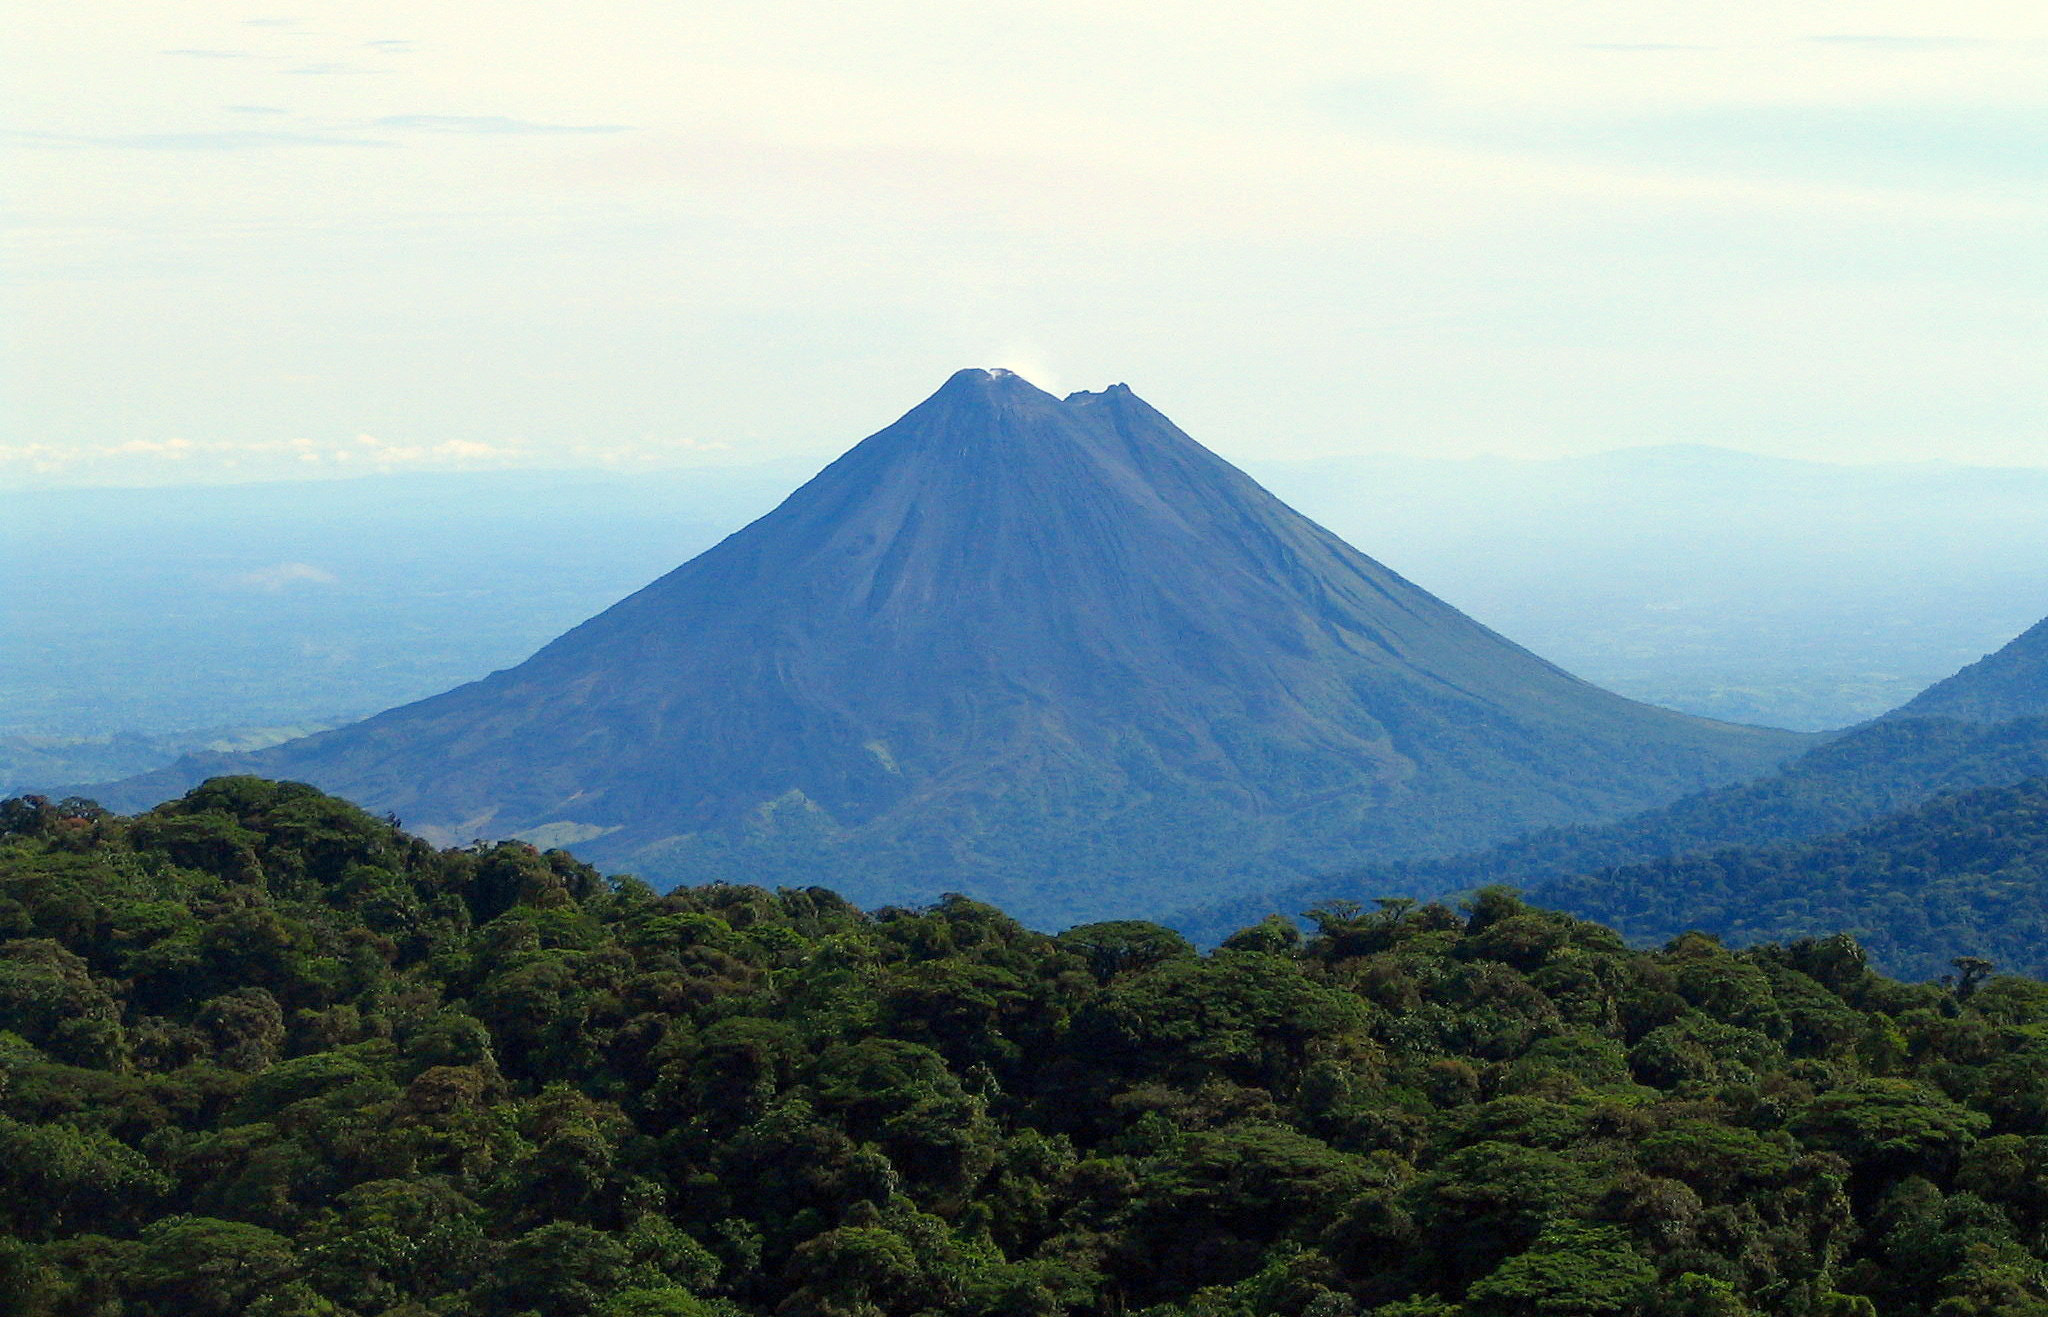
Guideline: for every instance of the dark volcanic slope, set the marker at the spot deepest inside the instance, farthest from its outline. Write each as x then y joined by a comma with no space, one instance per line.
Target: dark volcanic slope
2011,683
1053,652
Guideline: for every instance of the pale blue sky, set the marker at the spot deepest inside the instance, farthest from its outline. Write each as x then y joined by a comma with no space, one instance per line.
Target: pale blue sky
362,235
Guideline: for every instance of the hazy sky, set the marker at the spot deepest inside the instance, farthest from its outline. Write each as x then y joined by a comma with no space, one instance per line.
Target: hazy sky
358,235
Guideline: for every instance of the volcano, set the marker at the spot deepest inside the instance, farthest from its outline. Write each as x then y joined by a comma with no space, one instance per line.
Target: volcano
1047,652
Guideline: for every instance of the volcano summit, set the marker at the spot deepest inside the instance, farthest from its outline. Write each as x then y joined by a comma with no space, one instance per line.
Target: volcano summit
1049,652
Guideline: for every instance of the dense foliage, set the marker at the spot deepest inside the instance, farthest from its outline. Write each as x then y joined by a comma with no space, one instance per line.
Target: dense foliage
264,1053
1964,875
1867,773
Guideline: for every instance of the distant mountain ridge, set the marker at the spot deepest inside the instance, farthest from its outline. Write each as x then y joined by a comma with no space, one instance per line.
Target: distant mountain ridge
1979,731
1864,775
2009,683
1961,874
1051,652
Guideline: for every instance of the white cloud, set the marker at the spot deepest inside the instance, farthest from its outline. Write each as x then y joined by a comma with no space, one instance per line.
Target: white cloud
370,450
489,125
333,68
231,140
284,576
1893,41
187,461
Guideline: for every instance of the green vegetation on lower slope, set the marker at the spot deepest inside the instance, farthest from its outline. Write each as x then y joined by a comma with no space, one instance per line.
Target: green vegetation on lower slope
262,1053
1864,774
1963,875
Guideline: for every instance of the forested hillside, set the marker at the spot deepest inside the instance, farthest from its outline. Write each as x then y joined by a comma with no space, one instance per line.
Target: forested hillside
2011,683
1964,875
1864,774
265,1054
